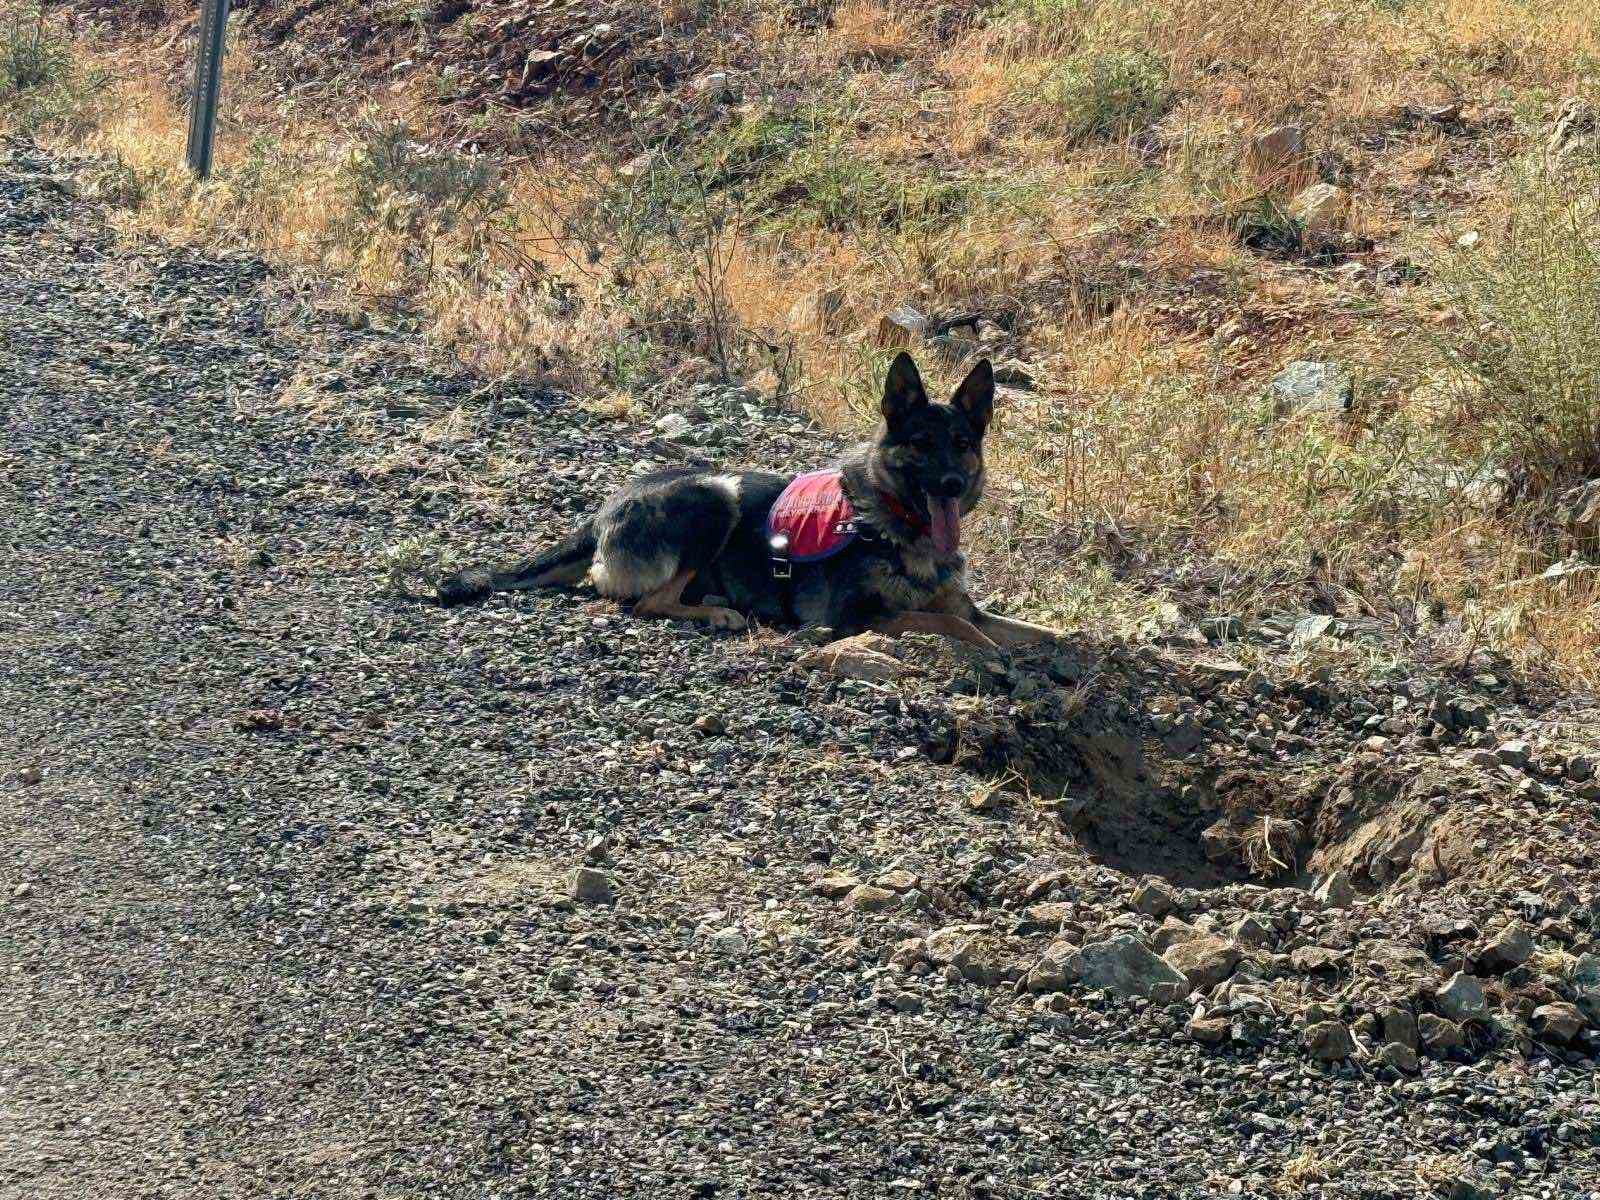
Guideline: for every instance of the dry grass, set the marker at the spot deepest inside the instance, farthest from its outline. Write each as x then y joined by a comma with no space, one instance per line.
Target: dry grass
1078,172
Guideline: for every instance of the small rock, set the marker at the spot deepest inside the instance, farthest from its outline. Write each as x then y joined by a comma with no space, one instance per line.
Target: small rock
1336,891
835,886
590,886
1203,961
1208,1031
1278,146
1559,1021
1321,210
866,898
22,891
859,657
1153,898
817,311
1329,1041
710,724
1439,1034
730,941
1513,753
1012,373
1462,998
1251,933
1051,972
1511,947
899,880
1311,387
674,426
1397,1057
1399,1025
1125,967
900,326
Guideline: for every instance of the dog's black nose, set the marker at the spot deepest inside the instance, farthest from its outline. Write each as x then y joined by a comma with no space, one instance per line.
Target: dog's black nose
950,486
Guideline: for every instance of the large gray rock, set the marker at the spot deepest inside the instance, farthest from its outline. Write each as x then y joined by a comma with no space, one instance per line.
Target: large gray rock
1462,999
1125,967
1311,387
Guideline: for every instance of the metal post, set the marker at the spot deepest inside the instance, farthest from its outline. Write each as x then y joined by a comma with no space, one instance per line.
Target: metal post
207,81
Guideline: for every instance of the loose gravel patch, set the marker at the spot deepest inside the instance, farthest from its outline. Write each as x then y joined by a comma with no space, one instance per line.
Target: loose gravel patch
314,889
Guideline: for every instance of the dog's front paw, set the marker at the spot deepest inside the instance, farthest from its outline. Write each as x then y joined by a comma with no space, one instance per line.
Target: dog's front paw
726,618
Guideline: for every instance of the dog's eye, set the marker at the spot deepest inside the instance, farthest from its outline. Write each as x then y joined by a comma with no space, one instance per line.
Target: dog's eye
962,445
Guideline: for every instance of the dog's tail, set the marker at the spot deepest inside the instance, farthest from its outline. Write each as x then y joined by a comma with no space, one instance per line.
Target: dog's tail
565,563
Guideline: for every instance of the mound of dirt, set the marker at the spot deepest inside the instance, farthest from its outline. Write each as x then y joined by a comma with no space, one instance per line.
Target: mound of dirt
1346,843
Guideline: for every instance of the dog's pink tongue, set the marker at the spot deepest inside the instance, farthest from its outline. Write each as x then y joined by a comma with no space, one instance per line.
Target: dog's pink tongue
945,521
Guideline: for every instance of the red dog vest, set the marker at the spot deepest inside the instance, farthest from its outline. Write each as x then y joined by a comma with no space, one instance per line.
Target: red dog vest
811,520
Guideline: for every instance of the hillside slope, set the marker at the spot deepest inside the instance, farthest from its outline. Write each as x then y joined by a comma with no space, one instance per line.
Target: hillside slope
1274,286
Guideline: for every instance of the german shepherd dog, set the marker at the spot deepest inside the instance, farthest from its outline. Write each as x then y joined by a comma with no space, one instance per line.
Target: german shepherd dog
670,540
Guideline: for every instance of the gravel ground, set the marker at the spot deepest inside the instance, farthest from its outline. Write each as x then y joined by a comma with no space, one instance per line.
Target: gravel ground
289,900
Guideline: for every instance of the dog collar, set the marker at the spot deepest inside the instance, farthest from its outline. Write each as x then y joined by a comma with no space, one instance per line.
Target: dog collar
919,525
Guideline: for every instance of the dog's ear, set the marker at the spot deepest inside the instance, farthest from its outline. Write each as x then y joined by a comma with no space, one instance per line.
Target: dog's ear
975,396
902,390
